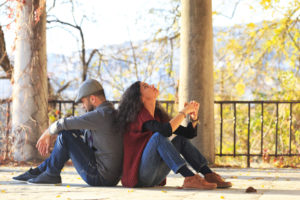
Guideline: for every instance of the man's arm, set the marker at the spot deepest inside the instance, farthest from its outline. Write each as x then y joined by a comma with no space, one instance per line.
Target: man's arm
91,120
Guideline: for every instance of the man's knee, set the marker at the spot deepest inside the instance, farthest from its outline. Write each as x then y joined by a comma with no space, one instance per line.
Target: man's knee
63,136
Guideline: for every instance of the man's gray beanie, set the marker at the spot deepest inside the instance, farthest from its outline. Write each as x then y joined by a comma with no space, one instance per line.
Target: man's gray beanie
87,88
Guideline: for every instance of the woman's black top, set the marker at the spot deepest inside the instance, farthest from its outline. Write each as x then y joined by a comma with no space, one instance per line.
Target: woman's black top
165,129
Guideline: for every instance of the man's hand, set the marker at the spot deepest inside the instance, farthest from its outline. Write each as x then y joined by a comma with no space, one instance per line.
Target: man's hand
43,144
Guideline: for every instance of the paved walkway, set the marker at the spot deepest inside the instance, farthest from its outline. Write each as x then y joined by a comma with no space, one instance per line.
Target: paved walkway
271,184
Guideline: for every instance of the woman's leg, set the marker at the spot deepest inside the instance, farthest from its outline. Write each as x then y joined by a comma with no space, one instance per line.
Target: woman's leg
159,156
191,154
199,163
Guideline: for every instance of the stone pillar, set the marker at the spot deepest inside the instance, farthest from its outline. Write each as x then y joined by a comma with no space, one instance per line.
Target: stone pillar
196,69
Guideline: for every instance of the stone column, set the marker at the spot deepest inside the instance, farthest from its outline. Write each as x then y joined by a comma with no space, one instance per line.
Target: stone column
196,69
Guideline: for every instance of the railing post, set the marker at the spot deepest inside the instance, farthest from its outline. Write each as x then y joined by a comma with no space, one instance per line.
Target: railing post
248,140
7,128
73,108
262,128
59,108
221,127
276,136
234,129
290,131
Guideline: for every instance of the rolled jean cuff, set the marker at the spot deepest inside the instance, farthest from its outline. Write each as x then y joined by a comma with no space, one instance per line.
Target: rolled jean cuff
176,168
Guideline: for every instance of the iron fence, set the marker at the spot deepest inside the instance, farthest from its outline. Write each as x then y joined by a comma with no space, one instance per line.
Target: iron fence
292,106
224,111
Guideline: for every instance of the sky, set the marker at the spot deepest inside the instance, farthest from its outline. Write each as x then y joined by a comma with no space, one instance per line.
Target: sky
116,21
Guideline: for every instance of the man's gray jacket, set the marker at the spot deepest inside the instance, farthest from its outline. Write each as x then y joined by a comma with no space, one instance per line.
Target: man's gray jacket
107,140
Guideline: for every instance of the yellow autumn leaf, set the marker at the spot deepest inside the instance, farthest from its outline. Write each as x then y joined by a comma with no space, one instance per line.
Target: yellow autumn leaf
164,191
222,197
240,89
57,196
251,25
3,191
68,186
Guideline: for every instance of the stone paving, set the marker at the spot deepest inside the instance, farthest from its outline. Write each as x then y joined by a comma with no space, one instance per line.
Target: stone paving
270,184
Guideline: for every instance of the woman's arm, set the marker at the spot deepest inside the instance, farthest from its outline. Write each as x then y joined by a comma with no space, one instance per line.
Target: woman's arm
176,121
188,132
155,126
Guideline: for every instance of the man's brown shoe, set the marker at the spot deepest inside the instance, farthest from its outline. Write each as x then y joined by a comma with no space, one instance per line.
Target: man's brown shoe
197,182
216,178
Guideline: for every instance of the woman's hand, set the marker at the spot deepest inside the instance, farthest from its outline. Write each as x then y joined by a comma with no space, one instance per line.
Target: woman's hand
188,108
194,115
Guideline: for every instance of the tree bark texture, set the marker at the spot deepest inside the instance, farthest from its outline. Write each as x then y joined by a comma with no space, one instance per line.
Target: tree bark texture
196,69
30,90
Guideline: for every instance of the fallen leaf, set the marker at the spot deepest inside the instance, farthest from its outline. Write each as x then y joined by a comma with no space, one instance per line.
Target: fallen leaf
258,178
251,190
57,196
164,191
3,191
222,197
68,186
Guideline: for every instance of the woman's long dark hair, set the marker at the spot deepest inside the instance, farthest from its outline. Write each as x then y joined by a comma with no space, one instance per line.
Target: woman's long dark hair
131,104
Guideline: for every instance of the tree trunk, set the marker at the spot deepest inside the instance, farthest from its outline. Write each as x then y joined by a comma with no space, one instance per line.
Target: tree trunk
4,60
30,97
196,70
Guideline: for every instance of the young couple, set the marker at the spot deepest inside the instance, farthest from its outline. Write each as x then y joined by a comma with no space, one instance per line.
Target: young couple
132,144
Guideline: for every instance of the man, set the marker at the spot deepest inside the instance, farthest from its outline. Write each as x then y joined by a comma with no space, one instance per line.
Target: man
97,157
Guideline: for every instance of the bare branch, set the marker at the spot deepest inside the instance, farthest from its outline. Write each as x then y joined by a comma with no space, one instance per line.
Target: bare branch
4,60
233,12
83,51
92,55
65,86
134,59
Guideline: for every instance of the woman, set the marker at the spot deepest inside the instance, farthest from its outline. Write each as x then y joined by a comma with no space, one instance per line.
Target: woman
148,153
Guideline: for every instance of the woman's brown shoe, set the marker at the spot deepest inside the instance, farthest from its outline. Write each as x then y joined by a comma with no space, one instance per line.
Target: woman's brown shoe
216,178
196,182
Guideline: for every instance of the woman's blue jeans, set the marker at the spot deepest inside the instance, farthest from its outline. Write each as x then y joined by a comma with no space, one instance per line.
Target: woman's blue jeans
68,145
162,155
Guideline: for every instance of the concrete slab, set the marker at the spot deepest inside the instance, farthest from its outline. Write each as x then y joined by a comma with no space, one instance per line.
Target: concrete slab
271,184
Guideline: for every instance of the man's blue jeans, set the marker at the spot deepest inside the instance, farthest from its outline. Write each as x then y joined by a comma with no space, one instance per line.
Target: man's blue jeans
68,145
162,155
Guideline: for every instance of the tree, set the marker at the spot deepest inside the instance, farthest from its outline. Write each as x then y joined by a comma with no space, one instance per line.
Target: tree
30,99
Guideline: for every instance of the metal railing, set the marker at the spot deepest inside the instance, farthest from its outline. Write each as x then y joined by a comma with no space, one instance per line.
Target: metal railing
262,104
223,115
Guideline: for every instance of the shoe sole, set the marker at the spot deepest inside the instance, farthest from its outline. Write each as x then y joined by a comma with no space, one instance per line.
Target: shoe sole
224,187
198,188
46,184
19,181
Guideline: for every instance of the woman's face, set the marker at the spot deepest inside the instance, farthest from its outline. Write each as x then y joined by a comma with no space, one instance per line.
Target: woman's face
148,92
